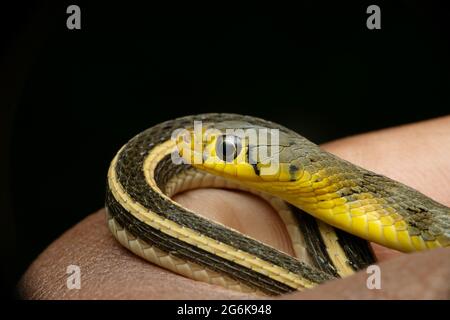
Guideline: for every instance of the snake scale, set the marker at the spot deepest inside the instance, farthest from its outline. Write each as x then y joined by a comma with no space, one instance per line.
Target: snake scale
331,207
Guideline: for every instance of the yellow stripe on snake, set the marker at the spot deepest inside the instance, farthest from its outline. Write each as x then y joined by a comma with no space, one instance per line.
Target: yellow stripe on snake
330,206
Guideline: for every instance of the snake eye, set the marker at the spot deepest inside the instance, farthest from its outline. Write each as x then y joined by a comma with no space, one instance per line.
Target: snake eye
228,147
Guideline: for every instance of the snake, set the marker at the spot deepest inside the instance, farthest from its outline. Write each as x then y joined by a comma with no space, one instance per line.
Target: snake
332,209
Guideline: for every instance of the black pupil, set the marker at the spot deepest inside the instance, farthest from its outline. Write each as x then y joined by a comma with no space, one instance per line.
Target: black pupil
228,149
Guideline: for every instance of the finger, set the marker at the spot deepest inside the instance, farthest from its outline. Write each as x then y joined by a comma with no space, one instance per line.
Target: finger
419,275
383,253
241,211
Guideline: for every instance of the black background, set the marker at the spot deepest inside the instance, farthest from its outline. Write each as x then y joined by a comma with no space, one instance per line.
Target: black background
71,98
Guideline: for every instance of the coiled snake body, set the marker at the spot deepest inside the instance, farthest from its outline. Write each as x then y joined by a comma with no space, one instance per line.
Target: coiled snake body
330,206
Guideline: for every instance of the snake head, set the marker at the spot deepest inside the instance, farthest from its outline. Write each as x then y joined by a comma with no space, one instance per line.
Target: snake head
245,153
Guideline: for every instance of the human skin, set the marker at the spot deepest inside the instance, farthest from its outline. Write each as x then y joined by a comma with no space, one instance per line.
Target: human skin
416,154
